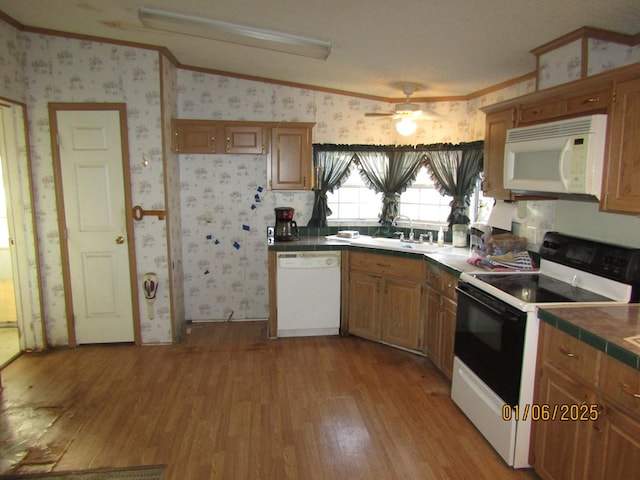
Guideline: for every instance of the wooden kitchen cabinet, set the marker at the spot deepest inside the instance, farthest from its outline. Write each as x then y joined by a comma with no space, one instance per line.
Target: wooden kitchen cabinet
364,304
622,170
606,444
440,318
385,298
562,448
249,139
291,157
196,136
497,124
577,101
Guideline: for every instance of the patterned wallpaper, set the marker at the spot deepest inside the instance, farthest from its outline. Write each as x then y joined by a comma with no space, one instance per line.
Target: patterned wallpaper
59,69
212,249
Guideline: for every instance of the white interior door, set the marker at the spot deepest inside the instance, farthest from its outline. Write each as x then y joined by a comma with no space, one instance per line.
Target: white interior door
90,147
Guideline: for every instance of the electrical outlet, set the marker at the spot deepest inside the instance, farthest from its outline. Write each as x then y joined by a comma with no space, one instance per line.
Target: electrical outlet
532,235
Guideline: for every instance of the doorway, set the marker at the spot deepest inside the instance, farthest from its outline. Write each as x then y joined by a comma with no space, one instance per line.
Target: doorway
94,205
9,336
9,339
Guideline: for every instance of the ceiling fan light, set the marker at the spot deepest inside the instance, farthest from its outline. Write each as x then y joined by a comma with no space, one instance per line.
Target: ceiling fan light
406,127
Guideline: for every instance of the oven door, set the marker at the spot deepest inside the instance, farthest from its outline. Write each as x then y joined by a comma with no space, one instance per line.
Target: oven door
490,340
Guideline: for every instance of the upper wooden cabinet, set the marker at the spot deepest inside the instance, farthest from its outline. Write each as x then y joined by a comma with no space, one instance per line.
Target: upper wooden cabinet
195,136
211,136
497,124
291,157
579,101
616,93
288,143
246,139
621,186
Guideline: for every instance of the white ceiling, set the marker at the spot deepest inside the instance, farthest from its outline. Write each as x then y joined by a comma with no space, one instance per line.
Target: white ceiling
451,47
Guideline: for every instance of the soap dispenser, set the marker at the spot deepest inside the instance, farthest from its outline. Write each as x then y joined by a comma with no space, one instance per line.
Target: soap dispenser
441,237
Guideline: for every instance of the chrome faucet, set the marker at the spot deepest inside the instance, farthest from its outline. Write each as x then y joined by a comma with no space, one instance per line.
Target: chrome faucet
428,235
395,223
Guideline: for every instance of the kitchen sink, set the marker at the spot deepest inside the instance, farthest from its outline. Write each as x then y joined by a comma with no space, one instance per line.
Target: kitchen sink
398,245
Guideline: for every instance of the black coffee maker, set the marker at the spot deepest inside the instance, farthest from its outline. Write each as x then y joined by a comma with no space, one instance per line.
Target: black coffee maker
286,228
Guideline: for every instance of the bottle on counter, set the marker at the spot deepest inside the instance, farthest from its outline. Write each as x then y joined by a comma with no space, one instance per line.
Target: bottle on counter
441,237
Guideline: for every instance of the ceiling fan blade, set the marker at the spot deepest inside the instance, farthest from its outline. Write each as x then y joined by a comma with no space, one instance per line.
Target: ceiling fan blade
379,114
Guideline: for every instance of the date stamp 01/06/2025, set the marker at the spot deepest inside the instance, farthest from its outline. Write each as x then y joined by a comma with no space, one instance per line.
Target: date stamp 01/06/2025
548,413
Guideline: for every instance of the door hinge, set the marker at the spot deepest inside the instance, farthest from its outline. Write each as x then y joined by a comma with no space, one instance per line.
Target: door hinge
58,139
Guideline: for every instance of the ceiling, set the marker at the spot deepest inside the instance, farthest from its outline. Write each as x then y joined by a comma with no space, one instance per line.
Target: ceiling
450,47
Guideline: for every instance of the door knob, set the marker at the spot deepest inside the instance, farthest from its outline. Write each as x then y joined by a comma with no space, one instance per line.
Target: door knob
120,240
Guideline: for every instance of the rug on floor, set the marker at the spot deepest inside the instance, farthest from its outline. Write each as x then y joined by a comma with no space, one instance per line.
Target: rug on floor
150,472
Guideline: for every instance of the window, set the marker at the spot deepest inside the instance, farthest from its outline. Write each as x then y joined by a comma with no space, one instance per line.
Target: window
354,201
421,202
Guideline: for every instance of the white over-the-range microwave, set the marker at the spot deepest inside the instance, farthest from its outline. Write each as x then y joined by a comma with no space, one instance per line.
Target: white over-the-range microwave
564,157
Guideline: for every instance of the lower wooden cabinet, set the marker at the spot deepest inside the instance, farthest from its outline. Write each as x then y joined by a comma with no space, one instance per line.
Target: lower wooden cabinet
440,318
596,432
562,448
385,298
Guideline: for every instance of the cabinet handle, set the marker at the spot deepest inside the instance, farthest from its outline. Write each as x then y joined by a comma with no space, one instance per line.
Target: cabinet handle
568,353
304,181
591,100
383,265
627,389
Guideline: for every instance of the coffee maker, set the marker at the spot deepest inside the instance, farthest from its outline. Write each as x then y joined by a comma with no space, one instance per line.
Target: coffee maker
286,227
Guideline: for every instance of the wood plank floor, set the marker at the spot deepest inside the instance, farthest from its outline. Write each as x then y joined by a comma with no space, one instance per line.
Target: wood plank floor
228,404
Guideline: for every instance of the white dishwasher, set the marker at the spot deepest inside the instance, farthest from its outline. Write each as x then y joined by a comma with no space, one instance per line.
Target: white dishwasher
308,293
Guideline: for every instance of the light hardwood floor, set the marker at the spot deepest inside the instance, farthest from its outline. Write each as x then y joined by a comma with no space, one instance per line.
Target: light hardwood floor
228,404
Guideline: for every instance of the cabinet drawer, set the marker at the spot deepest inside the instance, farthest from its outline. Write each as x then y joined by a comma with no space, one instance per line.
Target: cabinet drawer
441,280
541,111
388,265
570,355
620,382
588,102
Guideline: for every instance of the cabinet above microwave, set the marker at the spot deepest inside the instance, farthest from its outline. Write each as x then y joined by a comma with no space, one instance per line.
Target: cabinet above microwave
615,93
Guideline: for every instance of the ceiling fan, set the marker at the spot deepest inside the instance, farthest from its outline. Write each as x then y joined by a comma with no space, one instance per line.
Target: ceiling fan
406,112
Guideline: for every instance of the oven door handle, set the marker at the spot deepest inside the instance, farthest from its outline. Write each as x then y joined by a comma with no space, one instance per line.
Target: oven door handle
504,313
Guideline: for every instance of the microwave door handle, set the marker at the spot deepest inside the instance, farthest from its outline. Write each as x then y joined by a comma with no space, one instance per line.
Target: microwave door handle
565,158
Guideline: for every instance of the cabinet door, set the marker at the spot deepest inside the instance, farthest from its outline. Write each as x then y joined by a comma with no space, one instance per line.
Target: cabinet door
497,124
562,448
194,137
447,337
245,139
622,170
433,325
616,452
364,305
401,313
291,163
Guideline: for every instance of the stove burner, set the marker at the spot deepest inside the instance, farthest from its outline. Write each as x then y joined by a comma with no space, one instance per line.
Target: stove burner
538,288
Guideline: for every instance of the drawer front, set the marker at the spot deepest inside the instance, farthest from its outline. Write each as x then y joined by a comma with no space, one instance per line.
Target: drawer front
620,382
442,281
570,354
541,111
588,102
388,265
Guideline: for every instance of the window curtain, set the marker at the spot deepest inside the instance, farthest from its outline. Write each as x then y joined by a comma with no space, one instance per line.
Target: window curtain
333,168
389,172
455,172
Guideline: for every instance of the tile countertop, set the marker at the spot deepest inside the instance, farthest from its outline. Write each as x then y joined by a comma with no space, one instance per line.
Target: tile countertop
608,329
452,259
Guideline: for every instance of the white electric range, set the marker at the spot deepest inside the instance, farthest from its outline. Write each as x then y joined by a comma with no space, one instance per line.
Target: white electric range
497,329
